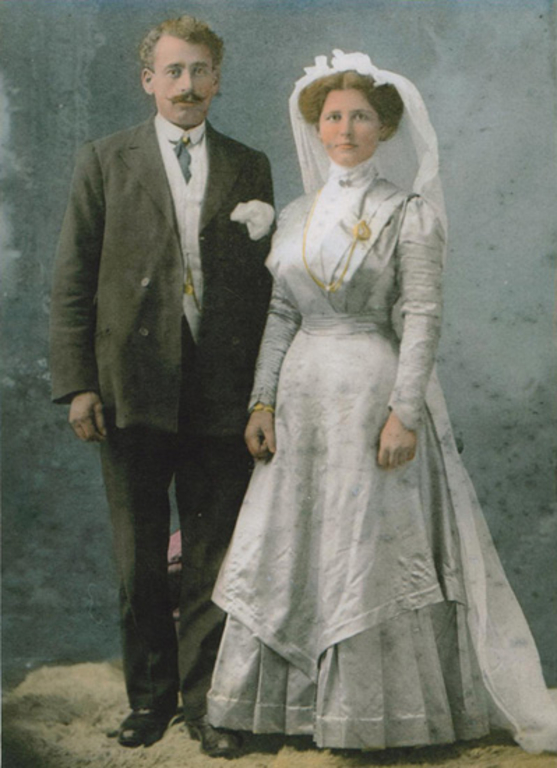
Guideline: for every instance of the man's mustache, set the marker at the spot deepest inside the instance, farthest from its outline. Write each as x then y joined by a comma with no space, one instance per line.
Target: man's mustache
185,98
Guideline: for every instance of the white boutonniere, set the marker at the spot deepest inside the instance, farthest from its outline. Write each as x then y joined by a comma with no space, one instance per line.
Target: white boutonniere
256,215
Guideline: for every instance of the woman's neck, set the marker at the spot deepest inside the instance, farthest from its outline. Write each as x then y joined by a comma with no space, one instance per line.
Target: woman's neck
354,176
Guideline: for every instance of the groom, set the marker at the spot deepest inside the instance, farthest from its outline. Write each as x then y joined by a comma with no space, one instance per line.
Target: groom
159,300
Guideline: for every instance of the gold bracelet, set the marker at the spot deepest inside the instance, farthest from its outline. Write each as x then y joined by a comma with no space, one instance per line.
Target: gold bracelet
263,407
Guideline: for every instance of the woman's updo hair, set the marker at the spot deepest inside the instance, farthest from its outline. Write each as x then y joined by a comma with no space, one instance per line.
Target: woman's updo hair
384,99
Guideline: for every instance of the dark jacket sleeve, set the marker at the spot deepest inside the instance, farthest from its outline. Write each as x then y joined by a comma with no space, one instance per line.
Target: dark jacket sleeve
263,190
72,327
265,183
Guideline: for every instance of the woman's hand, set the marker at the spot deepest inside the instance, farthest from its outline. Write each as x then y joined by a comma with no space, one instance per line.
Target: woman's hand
397,445
260,435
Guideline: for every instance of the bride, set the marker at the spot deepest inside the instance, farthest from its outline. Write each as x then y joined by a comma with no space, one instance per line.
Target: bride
366,604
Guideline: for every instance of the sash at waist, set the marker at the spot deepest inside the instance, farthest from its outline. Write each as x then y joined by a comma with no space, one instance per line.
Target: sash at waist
338,324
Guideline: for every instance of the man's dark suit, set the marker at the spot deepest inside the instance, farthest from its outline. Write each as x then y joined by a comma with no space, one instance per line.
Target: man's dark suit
173,408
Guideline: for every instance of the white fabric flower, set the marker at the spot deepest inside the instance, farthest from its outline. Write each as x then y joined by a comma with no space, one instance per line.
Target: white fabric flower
256,215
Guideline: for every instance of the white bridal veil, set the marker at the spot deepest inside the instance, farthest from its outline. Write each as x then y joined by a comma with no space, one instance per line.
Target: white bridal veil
409,159
506,652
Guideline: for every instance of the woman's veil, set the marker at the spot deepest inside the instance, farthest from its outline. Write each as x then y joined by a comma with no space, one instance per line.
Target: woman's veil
410,159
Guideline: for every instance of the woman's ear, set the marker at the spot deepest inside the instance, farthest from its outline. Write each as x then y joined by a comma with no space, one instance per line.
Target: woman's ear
385,132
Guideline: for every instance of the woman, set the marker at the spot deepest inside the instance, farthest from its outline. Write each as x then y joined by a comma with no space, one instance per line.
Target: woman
366,604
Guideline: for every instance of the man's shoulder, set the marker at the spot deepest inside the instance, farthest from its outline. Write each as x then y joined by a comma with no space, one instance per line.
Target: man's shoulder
124,137
233,146
104,151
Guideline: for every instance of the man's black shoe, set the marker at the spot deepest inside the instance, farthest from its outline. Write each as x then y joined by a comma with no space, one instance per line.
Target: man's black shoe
215,742
142,727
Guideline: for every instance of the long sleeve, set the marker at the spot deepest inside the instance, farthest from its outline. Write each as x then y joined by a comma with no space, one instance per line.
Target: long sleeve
283,321
419,257
262,189
72,327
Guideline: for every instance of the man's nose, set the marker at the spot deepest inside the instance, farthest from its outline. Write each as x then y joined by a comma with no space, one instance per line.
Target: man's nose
185,83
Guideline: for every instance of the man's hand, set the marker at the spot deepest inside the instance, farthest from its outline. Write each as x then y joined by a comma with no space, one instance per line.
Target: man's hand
260,435
397,445
87,418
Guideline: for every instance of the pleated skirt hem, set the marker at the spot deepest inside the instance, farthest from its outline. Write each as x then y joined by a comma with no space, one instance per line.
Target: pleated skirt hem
412,681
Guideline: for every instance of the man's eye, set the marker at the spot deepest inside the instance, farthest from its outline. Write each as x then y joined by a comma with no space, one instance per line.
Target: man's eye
200,71
174,72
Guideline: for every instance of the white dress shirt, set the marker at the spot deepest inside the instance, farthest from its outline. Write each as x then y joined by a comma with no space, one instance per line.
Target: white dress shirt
188,200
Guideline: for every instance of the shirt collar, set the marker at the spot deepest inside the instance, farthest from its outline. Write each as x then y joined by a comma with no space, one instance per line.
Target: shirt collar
358,176
174,133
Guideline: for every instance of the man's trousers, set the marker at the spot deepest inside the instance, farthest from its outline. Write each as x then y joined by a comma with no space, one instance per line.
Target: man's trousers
211,476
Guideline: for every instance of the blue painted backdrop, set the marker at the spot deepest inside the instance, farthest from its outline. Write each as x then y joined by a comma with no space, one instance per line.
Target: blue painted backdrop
486,71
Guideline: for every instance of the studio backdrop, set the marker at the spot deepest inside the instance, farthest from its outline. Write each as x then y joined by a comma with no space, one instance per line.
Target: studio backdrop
486,69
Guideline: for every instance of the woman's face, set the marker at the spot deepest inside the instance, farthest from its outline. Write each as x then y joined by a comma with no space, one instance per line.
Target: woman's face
349,127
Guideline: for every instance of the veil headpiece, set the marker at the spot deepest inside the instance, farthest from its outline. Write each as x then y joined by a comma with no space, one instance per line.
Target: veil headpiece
410,159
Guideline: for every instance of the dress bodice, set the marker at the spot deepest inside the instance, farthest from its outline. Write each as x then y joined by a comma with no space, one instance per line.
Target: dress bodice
400,263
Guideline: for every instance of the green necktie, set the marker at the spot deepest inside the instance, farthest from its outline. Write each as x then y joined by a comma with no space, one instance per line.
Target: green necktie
184,157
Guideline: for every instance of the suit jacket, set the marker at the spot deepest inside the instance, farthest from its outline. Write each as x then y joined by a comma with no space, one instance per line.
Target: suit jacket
116,320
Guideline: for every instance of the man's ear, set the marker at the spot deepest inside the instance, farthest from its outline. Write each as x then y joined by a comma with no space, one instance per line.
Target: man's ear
216,80
146,80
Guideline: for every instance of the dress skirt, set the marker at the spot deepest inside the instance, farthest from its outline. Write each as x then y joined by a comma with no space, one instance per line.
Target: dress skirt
348,598
409,681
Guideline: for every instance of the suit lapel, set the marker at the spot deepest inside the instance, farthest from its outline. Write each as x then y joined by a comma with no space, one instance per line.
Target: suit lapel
143,158
223,171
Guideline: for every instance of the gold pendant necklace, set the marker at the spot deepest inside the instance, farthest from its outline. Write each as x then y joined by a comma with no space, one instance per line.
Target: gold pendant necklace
360,231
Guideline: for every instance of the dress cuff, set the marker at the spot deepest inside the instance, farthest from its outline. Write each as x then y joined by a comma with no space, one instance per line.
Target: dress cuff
409,414
261,396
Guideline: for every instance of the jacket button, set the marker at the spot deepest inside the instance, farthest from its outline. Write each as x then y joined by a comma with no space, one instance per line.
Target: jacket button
145,282
144,331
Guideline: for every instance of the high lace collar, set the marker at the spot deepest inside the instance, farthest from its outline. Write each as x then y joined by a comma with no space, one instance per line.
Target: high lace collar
348,178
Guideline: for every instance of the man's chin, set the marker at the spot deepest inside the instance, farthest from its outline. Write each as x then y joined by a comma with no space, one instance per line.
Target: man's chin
187,117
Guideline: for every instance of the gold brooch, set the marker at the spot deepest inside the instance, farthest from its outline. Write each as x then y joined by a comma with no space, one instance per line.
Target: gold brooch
361,231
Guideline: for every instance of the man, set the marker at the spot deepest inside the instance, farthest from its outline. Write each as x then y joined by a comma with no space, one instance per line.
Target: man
159,301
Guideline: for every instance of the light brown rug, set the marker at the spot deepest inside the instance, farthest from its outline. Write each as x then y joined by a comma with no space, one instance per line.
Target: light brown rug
60,717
